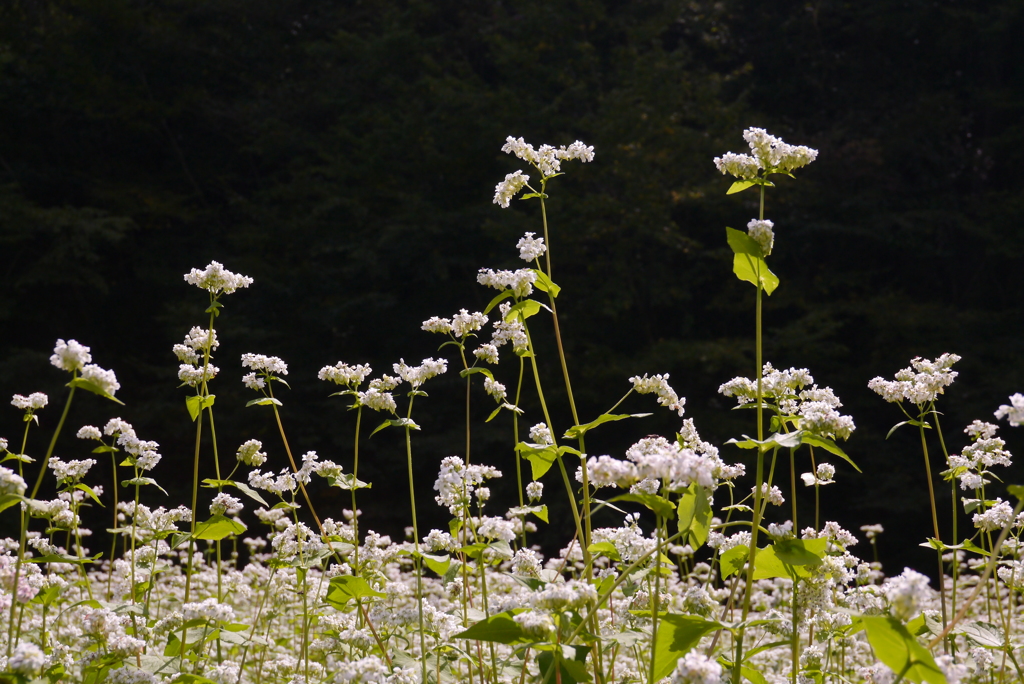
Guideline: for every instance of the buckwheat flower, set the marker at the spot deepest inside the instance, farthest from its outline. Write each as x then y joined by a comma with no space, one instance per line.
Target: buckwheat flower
440,541
3,444
27,659
531,248
201,339
34,401
210,610
385,383
774,494
872,531
70,356
761,232
225,504
995,518
578,150
271,365
981,430
495,389
437,325
1014,411
464,323
819,418
921,383
534,491
605,471
520,281
742,166
535,624
487,352
377,400
541,434
456,482
781,531
906,593
71,471
773,154
344,374
417,375
696,668
216,279
11,482
193,376
253,382
526,563
105,380
509,188
89,432
658,384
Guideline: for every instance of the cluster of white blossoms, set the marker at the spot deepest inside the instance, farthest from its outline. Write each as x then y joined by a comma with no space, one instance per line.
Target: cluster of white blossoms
456,482
32,402
458,326
763,235
417,375
70,472
973,463
70,356
998,516
547,160
11,482
776,385
520,281
343,374
822,475
263,367
216,279
920,383
143,453
509,188
531,248
696,668
658,384
505,332
768,154
1014,411
249,453
197,343
906,593
541,434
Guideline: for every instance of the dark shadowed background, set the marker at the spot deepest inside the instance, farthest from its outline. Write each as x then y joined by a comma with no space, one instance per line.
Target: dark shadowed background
345,155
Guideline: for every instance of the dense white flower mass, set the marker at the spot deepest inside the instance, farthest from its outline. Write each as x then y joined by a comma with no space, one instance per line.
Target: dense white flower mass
417,375
761,232
249,453
70,355
270,365
509,188
696,668
1014,411
216,279
920,383
768,153
906,593
34,401
459,325
658,384
11,482
531,248
343,374
456,482
520,282
105,380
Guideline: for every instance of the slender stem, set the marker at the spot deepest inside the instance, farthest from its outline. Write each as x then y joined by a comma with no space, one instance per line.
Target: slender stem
355,478
418,561
935,527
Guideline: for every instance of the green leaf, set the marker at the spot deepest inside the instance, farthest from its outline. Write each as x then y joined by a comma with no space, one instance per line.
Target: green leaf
748,263
88,490
828,445
577,431
500,628
185,678
523,309
694,511
438,564
196,403
139,481
1017,491
396,422
8,500
349,481
242,487
677,635
606,549
265,401
801,551
571,665
786,440
345,588
62,558
498,300
982,633
218,527
103,450
897,648
739,186
915,423
734,559
661,506
90,386
465,373
544,284
541,458
753,675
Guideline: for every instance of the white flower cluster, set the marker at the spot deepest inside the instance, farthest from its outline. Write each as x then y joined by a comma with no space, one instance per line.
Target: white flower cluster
658,384
1014,411
775,385
541,434
143,452
696,668
196,344
509,188
547,159
459,325
456,481
822,475
378,399
534,491
265,366
520,282
762,234
998,516
209,610
32,402
987,450
249,453
104,379
920,383
70,355
225,504
27,659
11,482
531,248
495,389
769,154
417,375
71,471
343,374
906,593
216,279
504,332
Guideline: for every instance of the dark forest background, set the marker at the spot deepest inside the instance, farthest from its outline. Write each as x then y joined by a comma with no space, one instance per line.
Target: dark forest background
345,155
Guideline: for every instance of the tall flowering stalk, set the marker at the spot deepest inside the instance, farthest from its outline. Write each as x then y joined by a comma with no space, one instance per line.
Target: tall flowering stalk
769,155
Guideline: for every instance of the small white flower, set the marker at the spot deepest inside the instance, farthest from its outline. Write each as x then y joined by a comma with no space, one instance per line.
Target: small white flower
70,355
105,380
761,232
534,491
509,188
531,248
541,434
216,279
1014,411
344,374
27,659
89,432
34,401
487,352
249,453
495,389
658,384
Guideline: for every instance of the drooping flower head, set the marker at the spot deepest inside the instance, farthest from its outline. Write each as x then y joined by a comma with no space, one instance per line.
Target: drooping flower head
769,154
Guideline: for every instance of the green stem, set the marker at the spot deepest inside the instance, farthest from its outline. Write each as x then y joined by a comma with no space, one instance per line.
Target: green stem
355,478
935,527
416,545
